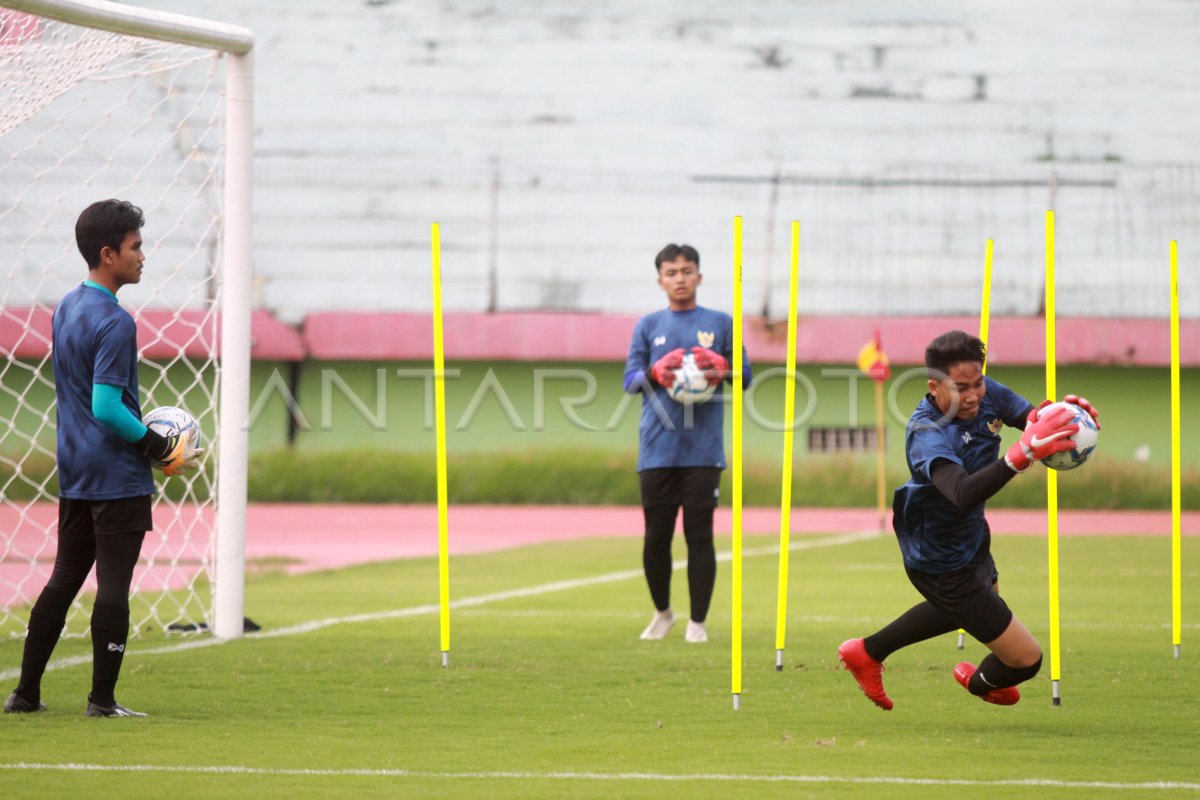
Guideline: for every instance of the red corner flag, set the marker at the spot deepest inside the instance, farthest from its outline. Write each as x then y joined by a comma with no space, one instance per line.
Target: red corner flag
873,361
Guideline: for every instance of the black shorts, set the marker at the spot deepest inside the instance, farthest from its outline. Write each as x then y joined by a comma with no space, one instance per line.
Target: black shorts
966,595
100,517
690,487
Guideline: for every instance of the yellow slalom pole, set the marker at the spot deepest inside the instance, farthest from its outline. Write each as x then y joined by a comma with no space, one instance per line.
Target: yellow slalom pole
985,307
439,394
735,462
789,414
1176,505
985,311
1051,475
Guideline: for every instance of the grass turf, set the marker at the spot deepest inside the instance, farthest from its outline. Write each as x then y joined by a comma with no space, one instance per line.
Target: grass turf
558,682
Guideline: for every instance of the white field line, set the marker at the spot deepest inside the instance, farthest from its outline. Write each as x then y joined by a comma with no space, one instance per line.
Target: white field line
466,602
649,777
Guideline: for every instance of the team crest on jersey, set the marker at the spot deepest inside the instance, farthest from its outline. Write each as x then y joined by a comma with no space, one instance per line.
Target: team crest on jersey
706,338
995,425
659,341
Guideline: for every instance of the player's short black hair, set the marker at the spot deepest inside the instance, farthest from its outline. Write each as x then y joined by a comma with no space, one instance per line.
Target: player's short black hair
952,348
674,251
104,224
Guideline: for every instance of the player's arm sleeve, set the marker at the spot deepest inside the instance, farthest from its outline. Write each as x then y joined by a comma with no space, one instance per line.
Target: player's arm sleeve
727,354
968,490
1022,418
928,445
108,409
637,362
114,337
110,371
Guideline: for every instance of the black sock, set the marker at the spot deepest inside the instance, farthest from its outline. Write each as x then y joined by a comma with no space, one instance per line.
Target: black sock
110,629
656,553
46,621
995,674
919,623
702,559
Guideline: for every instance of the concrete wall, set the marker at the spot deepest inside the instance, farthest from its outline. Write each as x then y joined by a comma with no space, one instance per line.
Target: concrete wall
561,144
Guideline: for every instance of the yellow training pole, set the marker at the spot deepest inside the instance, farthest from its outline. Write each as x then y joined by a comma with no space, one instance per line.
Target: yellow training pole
1176,505
789,413
735,462
1051,475
985,310
439,394
985,307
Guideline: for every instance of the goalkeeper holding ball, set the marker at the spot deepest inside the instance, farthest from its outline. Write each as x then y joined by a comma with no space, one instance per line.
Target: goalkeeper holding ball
953,446
104,457
681,450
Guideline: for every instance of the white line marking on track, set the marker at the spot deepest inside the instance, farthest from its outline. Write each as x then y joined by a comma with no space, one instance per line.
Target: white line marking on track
466,602
603,776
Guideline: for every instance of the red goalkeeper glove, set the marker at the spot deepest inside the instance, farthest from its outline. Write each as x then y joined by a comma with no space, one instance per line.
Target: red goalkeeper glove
714,364
1083,403
663,371
1043,437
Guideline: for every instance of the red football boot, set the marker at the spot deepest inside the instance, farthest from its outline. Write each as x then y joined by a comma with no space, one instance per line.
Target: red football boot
866,670
1001,697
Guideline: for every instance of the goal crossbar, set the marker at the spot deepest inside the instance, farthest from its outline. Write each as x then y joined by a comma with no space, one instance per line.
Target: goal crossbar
144,22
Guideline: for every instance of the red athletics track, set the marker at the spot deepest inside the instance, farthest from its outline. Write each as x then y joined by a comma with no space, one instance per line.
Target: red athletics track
312,537
309,537
322,537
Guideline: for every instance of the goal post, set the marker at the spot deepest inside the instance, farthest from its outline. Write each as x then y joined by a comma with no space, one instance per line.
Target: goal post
229,594
72,72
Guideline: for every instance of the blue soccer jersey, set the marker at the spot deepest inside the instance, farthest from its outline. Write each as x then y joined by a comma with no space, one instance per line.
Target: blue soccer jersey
934,535
672,434
95,341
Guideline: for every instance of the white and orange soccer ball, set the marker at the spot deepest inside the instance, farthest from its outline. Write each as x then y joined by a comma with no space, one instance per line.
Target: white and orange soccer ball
172,420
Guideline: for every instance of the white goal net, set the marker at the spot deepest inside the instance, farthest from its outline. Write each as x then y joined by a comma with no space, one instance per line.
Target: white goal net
88,114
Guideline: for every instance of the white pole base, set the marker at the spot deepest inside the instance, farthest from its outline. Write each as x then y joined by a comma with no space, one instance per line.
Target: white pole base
960,640
445,658
1177,651
737,702
779,659
1055,697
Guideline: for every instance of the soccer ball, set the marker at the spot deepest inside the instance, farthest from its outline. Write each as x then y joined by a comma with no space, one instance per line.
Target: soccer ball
690,386
1085,440
170,421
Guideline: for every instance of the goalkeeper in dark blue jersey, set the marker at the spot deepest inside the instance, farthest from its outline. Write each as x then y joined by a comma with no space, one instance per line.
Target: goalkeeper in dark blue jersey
681,447
104,456
953,448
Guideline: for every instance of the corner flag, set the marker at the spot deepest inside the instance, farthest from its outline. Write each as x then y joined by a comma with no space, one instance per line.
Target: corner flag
873,361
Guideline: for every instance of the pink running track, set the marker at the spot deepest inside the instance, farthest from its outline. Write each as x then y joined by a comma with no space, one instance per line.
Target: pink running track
314,537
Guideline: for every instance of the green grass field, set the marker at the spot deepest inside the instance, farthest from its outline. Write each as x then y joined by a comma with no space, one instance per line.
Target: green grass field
547,682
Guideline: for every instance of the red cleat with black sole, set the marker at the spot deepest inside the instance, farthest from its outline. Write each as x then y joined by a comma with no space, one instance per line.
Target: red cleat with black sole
866,670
